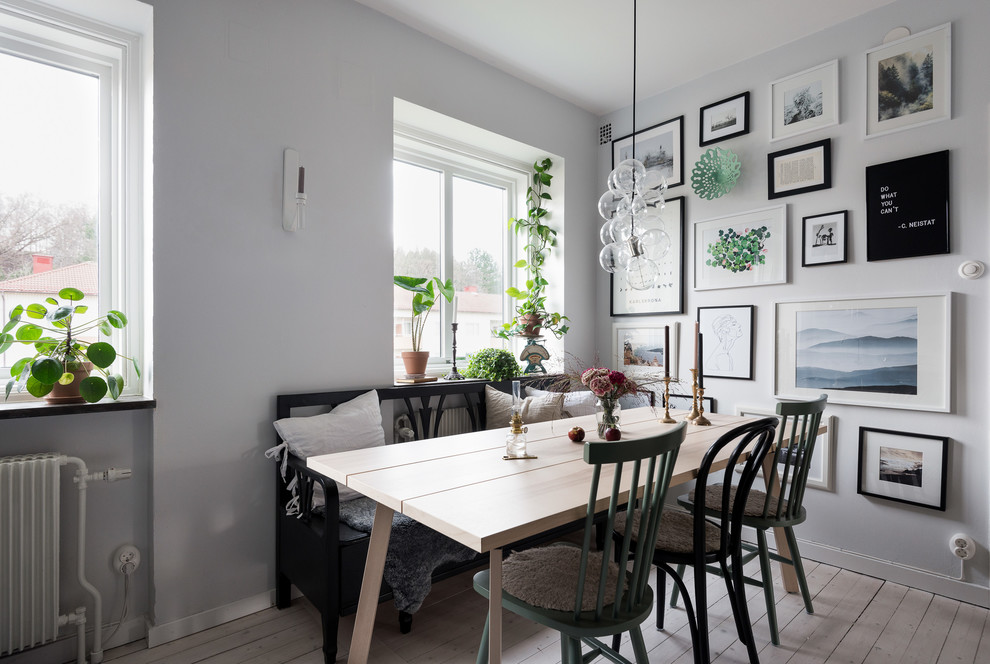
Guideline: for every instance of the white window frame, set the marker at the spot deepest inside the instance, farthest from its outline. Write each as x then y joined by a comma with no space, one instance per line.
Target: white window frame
454,159
112,40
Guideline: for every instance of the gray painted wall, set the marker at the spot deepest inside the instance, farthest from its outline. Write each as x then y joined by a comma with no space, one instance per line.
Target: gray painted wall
855,531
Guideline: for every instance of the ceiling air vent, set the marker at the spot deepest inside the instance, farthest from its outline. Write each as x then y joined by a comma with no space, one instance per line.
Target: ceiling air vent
605,134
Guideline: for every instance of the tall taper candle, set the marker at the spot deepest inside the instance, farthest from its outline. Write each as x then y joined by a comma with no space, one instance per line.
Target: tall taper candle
454,315
697,331
666,351
701,368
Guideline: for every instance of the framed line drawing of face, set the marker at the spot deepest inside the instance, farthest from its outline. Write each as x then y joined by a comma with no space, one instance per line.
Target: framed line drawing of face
731,353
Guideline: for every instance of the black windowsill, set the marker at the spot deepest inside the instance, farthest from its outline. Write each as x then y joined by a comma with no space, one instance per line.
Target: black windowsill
11,411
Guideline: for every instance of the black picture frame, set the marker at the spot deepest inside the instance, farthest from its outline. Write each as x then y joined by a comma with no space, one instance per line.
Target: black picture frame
667,297
732,329
720,120
683,402
824,238
892,466
787,177
907,207
667,133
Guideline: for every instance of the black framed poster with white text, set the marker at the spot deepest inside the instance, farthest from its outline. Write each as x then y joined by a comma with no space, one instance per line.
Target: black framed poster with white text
907,207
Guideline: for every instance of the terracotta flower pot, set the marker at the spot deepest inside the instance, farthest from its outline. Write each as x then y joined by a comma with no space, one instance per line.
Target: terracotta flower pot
70,393
533,324
415,361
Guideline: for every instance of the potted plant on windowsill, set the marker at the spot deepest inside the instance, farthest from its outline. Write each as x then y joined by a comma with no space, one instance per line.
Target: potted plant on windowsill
425,292
61,366
531,313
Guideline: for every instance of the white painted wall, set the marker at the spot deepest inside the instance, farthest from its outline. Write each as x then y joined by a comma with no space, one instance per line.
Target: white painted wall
851,530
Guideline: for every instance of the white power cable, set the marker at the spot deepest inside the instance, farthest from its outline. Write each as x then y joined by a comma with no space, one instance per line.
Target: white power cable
123,611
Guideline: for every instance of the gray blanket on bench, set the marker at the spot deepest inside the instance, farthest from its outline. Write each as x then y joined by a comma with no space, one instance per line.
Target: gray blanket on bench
414,552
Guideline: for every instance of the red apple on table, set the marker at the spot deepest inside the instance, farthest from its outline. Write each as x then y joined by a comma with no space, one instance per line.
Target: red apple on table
576,434
612,434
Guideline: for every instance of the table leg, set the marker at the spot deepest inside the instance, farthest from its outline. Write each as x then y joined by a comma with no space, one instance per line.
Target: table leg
495,608
787,573
371,585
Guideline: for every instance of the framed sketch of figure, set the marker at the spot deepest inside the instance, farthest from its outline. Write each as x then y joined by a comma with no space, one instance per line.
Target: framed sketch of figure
729,337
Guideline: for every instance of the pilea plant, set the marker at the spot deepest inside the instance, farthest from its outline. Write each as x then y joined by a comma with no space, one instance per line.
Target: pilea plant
492,363
540,238
737,252
57,356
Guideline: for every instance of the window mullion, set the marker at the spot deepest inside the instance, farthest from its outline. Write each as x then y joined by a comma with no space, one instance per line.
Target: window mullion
447,260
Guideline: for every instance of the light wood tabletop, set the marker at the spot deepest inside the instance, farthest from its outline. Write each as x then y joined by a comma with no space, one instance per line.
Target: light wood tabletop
462,487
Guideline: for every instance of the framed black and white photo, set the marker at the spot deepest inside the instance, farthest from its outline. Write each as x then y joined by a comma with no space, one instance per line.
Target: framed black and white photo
890,352
660,147
907,207
909,82
667,296
744,249
902,466
646,349
725,119
824,239
821,473
729,338
800,169
805,101
683,402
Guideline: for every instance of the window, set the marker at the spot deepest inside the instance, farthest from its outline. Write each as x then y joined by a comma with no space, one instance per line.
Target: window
73,165
450,214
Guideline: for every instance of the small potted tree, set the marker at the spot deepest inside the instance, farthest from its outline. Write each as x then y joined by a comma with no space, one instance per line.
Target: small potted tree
61,366
425,292
532,316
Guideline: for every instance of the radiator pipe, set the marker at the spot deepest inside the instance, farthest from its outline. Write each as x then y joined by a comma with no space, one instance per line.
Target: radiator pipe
81,478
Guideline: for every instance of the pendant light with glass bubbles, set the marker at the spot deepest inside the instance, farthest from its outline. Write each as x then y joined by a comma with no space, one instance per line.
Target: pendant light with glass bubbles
633,233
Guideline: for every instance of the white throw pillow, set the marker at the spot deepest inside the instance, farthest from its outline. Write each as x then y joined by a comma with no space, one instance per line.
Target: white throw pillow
576,404
352,425
498,408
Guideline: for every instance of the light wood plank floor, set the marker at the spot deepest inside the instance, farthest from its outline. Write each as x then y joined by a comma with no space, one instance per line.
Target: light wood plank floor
857,619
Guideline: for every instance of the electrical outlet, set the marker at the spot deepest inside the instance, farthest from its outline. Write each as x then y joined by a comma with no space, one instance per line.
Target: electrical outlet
126,559
962,546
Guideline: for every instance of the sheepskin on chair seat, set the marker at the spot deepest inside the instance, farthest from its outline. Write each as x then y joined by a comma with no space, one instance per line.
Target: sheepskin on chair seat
676,532
754,503
547,576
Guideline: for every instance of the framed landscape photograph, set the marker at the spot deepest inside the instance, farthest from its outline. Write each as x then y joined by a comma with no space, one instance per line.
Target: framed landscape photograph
642,349
805,101
800,170
909,82
732,329
903,466
821,473
725,119
907,207
660,147
824,239
667,296
745,249
890,352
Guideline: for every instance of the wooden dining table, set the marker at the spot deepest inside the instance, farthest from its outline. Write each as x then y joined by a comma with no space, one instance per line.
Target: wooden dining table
461,486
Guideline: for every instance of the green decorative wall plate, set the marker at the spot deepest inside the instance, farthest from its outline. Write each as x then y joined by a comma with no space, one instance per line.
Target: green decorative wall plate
715,173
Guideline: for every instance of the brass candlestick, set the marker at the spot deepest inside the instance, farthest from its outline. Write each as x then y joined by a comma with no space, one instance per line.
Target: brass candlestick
701,420
694,397
667,419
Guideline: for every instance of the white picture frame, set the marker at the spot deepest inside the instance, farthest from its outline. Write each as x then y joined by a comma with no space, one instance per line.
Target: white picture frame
760,233
804,102
885,352
821,472
935,42
645,339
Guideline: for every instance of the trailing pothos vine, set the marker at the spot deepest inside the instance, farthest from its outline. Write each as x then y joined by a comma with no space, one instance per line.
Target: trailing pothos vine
540,238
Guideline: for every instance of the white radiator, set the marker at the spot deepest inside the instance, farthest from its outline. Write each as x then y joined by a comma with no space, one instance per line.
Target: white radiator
29,551
454,421
29,554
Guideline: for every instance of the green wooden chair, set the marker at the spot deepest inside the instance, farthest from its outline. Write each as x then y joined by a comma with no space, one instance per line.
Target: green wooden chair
581,592
796,436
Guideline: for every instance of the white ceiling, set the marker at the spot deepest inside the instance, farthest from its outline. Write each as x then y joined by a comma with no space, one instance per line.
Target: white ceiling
581,50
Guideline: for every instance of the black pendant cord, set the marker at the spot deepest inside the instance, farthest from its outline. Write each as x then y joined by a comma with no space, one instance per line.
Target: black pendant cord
634,83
